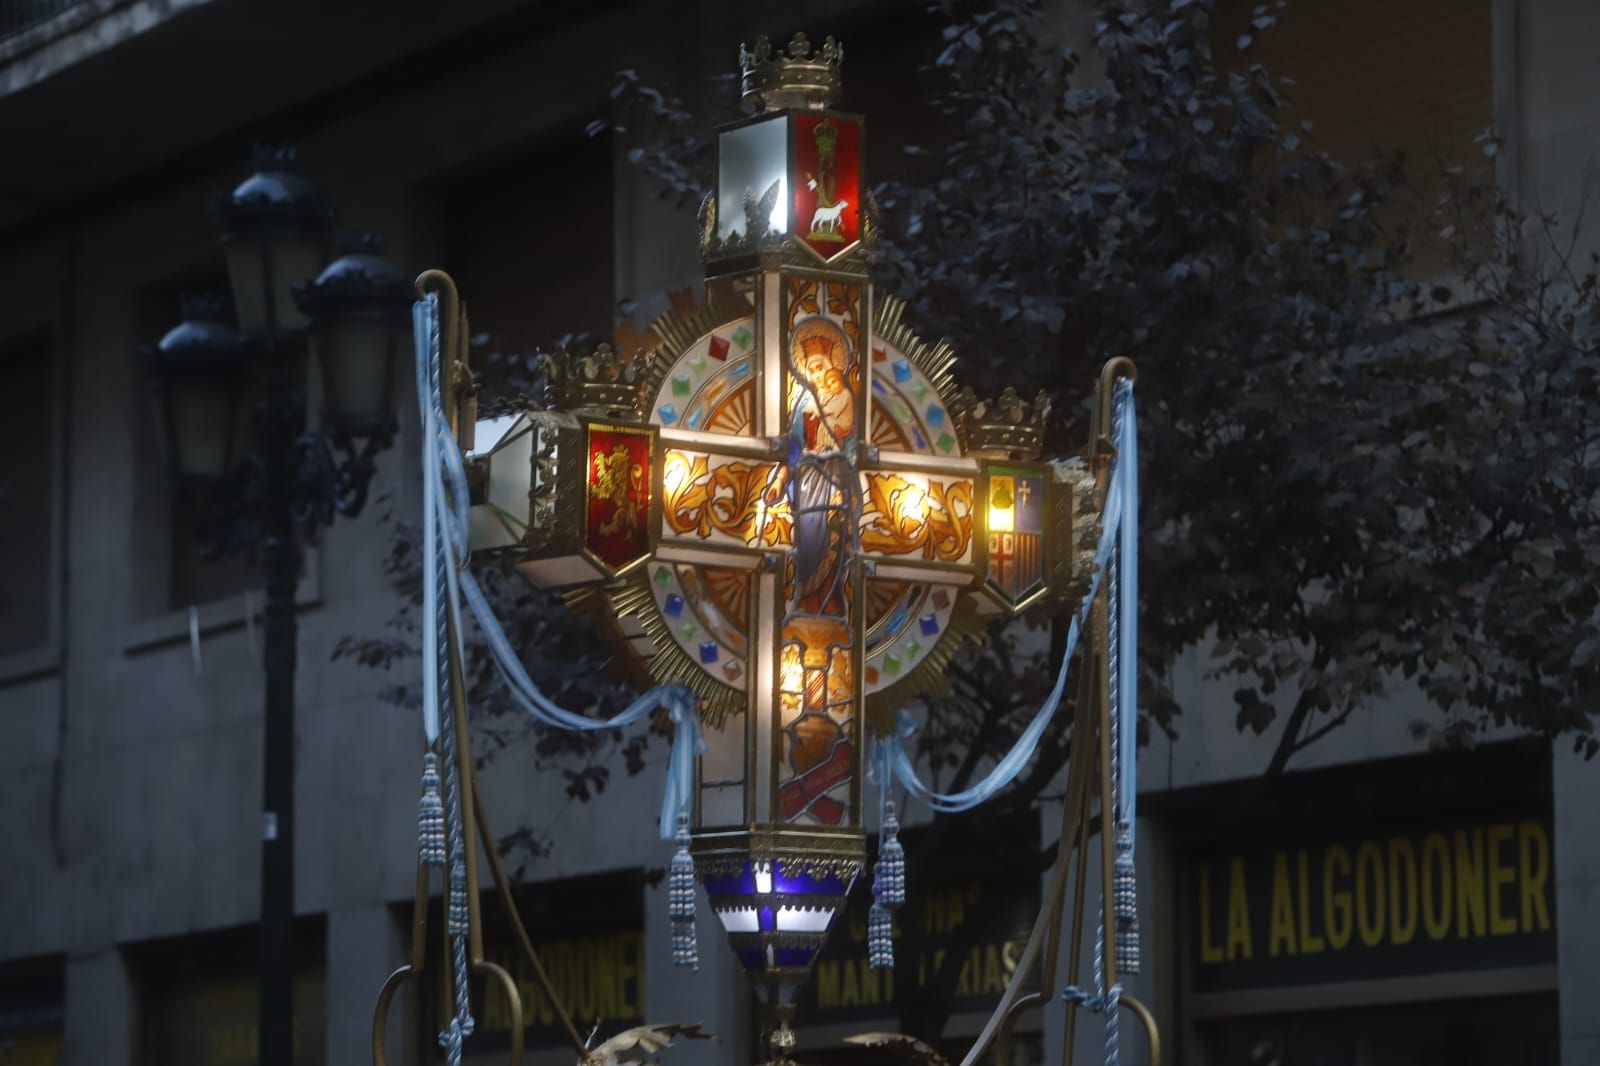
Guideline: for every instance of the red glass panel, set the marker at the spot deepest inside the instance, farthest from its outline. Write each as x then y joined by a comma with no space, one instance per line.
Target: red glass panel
617,526
827,182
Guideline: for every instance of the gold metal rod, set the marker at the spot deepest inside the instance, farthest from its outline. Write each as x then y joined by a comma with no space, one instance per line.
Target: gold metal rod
466,769
380,1014
509,987
1075,810
503,883
1100,420
1148,1020
1046,925
419,921
1082,738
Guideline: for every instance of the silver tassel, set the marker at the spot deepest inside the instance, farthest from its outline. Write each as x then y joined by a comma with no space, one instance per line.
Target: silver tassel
1125,902
460,917
888,891
889,877
430,815
880,938
681,902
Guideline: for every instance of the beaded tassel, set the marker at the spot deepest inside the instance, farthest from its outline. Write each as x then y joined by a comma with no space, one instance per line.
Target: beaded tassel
430,815
681,902
888,891
880,938
460,917
889,876
1125,903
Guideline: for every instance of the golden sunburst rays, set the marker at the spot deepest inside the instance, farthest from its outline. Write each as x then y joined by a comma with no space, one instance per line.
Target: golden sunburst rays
735,412
632,598
676,331
934,360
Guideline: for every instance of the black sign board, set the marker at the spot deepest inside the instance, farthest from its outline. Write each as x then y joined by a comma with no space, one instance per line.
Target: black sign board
589,933
972,894
1382,901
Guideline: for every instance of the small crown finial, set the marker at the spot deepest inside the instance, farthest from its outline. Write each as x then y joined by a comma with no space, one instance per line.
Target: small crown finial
604,382
800,76
1004,426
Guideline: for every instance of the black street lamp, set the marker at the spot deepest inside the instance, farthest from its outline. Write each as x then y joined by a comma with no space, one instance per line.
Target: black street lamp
275,230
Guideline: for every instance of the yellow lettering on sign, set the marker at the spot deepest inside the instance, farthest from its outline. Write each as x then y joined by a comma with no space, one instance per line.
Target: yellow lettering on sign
851,994
1336,906
1501,875
1402,896
1437,895
1310,943
1210,951
1282,939
1535,869
993,983
1469,882
827,983
1369,894
1239,942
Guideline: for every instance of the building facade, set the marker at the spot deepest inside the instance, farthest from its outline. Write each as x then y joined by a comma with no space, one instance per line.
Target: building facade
1381,901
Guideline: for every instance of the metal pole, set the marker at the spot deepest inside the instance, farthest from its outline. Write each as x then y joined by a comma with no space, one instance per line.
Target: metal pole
279,422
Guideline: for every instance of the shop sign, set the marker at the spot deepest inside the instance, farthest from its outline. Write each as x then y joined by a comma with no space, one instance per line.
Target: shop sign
968,906
589,933
1381,902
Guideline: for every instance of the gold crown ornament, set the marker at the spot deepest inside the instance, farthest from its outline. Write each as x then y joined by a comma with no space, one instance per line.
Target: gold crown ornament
1004,426
606,383
803,76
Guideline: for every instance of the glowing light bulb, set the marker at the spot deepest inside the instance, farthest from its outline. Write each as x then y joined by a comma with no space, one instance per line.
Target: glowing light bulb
914,505
793,676
674,472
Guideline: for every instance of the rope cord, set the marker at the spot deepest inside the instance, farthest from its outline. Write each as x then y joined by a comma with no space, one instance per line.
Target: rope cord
438,692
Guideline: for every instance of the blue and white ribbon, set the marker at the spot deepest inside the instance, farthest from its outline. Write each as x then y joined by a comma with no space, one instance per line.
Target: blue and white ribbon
445,543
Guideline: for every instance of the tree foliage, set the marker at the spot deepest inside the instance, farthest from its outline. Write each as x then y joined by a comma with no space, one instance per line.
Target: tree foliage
1356,479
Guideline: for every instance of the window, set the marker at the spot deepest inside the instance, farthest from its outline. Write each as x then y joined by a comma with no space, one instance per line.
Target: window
29,464
1378,78
200,998
531,242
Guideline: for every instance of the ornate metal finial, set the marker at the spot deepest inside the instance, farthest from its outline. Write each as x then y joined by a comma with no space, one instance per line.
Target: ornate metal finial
604,383
1005,426
804,76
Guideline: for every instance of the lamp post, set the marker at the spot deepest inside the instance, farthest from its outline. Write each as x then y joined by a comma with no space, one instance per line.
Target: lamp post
275,229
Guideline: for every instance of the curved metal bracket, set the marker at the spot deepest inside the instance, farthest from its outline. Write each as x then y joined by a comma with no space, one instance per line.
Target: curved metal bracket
380,1014
513,997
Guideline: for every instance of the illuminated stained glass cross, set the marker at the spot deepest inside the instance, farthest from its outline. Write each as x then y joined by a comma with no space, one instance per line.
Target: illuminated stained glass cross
783,502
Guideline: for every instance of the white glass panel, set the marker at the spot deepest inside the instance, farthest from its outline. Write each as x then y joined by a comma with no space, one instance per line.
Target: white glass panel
742,920
753,158
796,920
